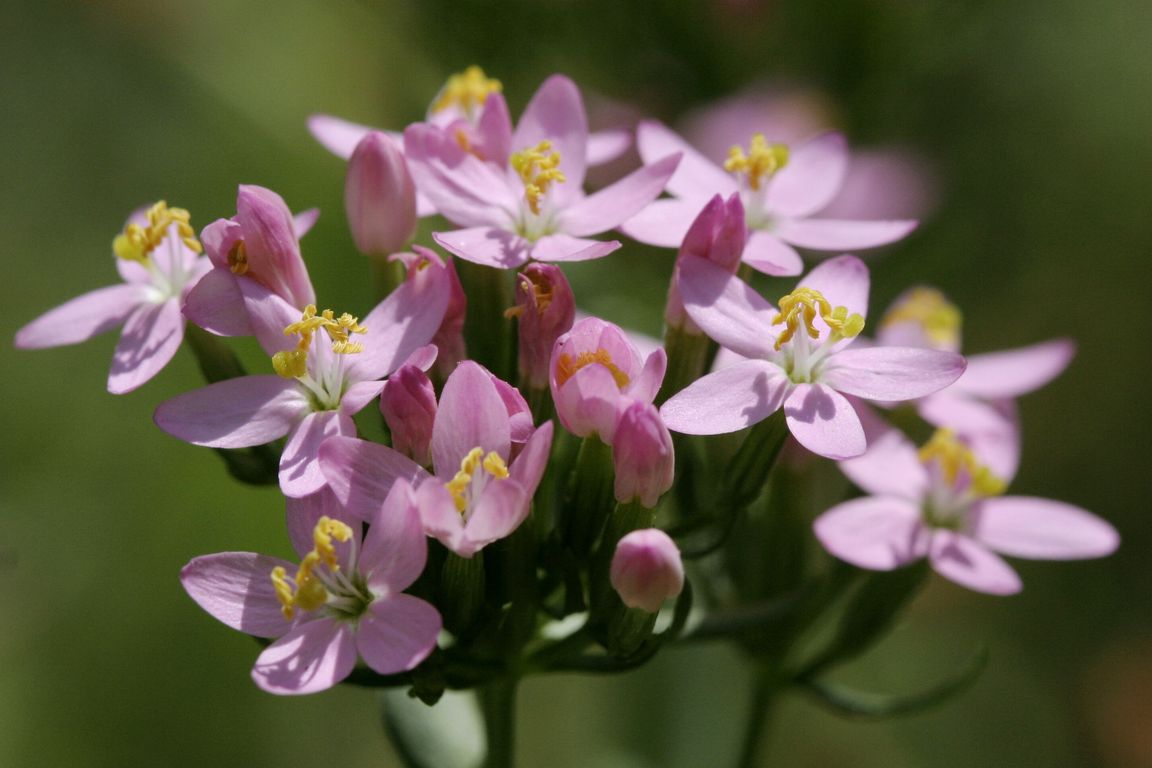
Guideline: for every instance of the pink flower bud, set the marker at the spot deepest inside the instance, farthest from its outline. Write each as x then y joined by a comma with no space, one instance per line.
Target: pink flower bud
646,569
449,338
718,234
546,309
408,403
643,455
379,196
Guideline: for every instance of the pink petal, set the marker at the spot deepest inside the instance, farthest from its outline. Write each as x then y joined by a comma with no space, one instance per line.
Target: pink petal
440,518
300,472
605,146
357,396
486,246
561,247
466,190
697,177
728,400
823,421
394,551
216,304
966,562
150,339
237,413
842,234
471,414
495,514
890,467
844,281
880,533
339,137
301,516
1016,372
769,254
620,201
810,179
589,402
268,316
83,317
891,373
991,429
313,657
645,386
397,633
236,588
726,308
361,473
1041,529
303,222
664,223
529,466
556,114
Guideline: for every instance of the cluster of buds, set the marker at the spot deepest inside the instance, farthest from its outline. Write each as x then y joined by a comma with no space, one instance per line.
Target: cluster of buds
447,554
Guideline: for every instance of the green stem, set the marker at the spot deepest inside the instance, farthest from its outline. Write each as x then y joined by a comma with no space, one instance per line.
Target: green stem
688,355
217,362
386,276
764,697
591,495
498,702
487,332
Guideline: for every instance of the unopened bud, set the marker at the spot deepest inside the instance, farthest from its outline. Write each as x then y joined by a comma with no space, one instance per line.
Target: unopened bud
409,407
718,235
646,569
379,196
643,455
546,310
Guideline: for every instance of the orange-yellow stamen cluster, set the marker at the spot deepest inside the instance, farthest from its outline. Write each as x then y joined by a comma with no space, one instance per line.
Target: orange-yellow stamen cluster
467,90
458,485
953,457
542,290
539,168
292,363
928,308
306,591
137,241
803,305
760,162
567,366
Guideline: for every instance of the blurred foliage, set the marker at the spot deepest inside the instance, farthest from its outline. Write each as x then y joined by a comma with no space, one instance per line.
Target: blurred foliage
1035,117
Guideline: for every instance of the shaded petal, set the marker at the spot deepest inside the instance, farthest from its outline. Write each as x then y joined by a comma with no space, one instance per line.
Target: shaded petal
300,472
844,281
664,223
697,177
880,533
83,317
493,135
728,400
645,386
471,414
394,551
237,413
361,473
1015,372
843,234
529,466
824,422
556,114
313,657
561,247
964,561
338,136
440,518
890,467
485,245
150,339
268,316
810,179
301,516
891,373
769,254
618,202
466,190
726,308
607,145
589,402
398,633
1041,529
499,510
216,304
236,588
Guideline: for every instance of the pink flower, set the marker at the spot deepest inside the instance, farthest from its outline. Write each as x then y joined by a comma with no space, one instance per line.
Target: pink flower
345,599
646,569
545,309
328,369
717,235
408,403
526,200
449,338
597,373
944,503
254,253
642,455
160,262
479,493
781,188
379,196
799,358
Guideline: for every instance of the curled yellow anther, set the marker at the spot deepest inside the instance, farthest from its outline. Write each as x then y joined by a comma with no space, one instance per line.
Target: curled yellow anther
238,259
539,168
466,90
802,306
760,162
137,241
293,363
566,366
928,308
306,591
493,464
953,457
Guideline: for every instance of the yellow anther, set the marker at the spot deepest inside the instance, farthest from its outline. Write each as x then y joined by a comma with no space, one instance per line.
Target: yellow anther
475,459
323,534
928,308
495,466
803,305
137,242
466,90
306,591
284,592
238,259
760,162
539,168
540,286
953,457
293,363
566,366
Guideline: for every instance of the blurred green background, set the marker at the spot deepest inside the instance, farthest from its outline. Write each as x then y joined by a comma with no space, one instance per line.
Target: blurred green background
1034,117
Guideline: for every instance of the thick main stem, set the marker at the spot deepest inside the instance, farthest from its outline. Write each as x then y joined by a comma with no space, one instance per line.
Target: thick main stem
768,686
498,703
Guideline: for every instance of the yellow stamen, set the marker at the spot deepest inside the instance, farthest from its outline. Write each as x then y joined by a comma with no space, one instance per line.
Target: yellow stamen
952,457
803,305
292,363
761,162
928,308
538,285
566,367
539,168
493,464
466,90
137,242
306,591
238,259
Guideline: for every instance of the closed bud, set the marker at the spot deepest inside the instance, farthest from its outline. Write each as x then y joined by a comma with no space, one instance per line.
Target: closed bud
409,407
643,456
646,569
718,235
267,248
546,310
379,196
